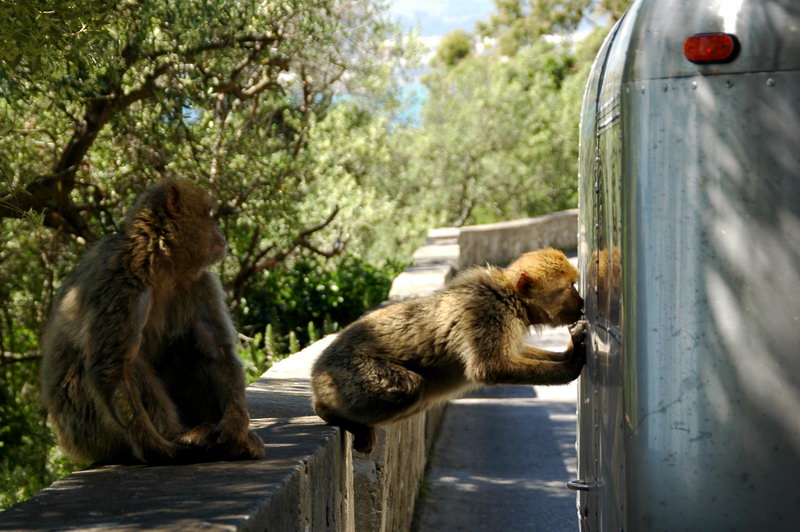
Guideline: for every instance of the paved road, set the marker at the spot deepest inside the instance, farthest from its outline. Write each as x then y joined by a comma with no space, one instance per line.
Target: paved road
502,459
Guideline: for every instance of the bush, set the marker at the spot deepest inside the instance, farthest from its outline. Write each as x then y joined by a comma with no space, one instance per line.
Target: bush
290,308
29,458
286,310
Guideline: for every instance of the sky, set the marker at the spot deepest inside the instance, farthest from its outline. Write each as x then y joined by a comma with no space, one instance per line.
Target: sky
434,19
437,18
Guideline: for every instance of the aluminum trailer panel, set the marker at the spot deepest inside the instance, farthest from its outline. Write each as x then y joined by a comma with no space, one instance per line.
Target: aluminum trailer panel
689,249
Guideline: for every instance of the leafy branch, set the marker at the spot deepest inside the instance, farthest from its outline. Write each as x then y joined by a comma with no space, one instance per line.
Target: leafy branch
254,262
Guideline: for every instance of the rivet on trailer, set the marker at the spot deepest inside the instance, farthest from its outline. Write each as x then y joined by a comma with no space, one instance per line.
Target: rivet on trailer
689,250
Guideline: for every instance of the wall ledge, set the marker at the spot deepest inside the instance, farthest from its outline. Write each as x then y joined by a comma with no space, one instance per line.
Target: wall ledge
310,479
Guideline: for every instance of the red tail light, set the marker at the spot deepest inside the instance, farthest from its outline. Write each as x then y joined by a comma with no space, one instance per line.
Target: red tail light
711,48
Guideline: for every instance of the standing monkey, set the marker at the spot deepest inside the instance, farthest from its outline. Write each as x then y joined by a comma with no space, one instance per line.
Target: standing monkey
138,356
405,358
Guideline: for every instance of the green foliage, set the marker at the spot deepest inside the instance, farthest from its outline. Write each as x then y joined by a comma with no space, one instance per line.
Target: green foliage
294,343
520,23
424,490
454,47
311,296
500,127
282,109
259,352
313,335
40,33
492,137
28,458
289,113
295,306
615,8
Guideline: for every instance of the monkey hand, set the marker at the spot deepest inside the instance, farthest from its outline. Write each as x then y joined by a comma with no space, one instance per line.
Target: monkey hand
245,445
578,332
174,453
199,435
212,443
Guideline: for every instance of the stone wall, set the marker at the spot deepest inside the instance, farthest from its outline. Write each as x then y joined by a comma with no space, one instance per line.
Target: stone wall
503,242
311,480
305,483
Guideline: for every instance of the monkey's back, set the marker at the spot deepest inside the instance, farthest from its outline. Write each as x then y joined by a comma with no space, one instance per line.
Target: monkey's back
434,337
421,332
94,288
385,366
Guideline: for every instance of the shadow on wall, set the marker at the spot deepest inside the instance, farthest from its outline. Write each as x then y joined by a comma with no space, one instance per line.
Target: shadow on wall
752,225
731,434
212,495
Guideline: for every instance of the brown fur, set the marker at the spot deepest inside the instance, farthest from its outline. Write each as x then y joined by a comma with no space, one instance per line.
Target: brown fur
138,357
404,358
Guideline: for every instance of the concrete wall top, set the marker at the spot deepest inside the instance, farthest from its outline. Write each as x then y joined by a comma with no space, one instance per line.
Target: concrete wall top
435,263
275,493
310,479
501,243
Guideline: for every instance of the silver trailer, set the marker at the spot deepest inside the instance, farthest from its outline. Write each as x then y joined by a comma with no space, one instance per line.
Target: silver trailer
689,249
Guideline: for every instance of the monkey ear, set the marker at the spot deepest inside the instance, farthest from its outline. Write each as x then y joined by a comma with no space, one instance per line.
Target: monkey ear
525,285
174,202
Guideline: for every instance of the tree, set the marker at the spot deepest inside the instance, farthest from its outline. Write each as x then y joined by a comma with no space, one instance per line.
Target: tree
41,33
454,47
499,136
282,109
520,23
227,95
489,137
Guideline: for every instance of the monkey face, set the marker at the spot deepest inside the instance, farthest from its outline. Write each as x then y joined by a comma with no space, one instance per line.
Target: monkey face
198,242
218,245
571,306
561,305
545,281
208,243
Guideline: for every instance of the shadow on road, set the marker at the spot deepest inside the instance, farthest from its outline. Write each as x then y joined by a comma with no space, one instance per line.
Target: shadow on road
501,463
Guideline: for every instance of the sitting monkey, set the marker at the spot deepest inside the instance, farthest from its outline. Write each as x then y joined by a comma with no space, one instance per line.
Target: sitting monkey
406,357
139,354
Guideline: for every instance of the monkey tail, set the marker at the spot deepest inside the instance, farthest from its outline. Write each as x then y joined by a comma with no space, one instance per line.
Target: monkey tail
363,435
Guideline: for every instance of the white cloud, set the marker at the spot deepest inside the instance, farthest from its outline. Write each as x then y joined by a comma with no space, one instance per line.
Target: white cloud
409,8
431,42
578,36
439,17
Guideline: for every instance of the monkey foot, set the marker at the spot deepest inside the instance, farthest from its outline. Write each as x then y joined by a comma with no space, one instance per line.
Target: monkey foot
364,440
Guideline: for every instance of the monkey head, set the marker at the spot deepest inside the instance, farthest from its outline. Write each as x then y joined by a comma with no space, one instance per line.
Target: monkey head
544,281
172,224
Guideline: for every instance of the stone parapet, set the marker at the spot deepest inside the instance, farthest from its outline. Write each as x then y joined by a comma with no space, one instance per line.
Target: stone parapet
501,243
311,479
